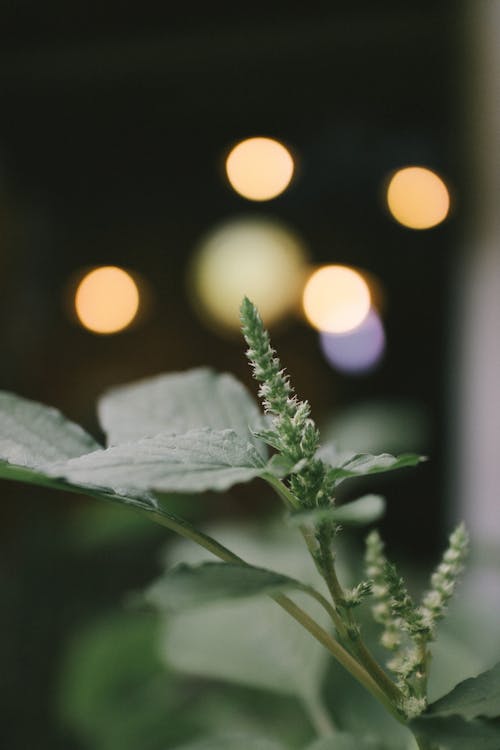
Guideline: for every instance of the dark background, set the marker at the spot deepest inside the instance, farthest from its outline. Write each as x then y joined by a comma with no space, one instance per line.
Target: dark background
114,123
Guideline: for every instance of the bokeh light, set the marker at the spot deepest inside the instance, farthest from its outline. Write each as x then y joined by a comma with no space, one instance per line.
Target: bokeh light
336,299
106,300
259,168
259,258
418,198
358,351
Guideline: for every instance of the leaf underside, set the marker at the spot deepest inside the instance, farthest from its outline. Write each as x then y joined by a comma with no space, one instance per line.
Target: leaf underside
455,733
187,586
250,641
364,510
362,464
477,696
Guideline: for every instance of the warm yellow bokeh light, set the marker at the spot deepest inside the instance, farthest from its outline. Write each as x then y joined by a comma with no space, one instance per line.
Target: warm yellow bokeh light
259,168
106,300
258,258
336,299
418,198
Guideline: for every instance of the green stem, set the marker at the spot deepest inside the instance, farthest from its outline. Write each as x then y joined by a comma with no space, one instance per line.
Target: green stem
282,490
339,652
319,716
334,615
184,528
351,630
347,629
424,744
422,673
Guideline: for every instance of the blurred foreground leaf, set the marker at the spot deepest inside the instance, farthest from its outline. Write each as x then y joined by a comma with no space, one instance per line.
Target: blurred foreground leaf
361,512
114,693
345,741
233,742
362,464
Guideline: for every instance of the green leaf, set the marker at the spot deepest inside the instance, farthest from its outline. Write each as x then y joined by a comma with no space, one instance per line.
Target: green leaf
365,510
251,641
178,403
233,742
455,733
346,741
196,461
454,656
187,586
281,466
362,464
32,434
477,696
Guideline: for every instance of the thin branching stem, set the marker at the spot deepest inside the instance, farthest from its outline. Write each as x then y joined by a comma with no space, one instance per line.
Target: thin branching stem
351,628
357,670
348,629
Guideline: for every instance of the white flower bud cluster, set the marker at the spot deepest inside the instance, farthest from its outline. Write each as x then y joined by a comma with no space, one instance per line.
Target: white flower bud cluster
382,609
444,580
414,706
409,628
353,597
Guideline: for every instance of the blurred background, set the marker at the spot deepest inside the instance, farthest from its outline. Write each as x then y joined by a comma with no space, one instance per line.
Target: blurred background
341,167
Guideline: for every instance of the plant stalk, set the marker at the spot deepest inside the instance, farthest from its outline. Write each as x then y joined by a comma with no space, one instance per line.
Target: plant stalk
319,716
185,529
347,629
424,744
350,629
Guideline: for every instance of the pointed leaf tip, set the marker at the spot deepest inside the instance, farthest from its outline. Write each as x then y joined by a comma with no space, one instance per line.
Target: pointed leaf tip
187,586
360,512
474,697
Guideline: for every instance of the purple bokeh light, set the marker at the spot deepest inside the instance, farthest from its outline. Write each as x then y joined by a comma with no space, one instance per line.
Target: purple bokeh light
358,351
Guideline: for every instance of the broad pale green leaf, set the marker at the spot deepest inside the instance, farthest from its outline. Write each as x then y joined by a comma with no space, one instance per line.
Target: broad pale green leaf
233,742
187,586
32,434
43,478
363,464
365,510
177,403
196,461
477,696
455,733
251,641
346,741
38,477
